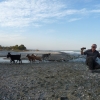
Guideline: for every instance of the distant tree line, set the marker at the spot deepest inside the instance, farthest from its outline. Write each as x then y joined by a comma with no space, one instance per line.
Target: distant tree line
16,47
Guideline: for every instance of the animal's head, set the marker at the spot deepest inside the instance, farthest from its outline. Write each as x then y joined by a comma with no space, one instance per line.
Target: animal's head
33,55
27,55
8,55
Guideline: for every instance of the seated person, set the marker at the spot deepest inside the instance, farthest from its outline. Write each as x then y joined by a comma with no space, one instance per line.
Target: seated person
92,54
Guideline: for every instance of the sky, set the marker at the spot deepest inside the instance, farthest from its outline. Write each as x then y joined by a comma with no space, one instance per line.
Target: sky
50,24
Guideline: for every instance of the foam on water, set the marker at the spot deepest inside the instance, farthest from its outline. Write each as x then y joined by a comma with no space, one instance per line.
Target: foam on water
71,52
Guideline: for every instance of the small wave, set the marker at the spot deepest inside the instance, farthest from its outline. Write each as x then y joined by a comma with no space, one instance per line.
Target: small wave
67,51
78,60
71,52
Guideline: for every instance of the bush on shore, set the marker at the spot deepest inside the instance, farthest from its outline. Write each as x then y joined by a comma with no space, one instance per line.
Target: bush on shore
16,47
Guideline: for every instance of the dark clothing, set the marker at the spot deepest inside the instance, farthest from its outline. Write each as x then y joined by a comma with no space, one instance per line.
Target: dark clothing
91,63
91,57
94,54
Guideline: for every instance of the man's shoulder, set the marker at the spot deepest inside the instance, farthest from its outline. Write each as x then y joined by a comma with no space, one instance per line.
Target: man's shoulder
88,50
97,51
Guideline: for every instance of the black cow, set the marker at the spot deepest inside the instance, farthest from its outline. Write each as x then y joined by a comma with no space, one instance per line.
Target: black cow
14,57
46,56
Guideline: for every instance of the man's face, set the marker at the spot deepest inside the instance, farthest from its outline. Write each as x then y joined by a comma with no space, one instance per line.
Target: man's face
93,47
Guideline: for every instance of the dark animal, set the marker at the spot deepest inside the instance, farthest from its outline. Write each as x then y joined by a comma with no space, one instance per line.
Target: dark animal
14,57
36,57
30,58
45,56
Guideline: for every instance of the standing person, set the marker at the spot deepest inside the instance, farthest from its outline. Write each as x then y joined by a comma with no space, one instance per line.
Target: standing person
92,54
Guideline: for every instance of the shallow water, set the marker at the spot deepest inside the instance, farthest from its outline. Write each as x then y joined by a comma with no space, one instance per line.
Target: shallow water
5,60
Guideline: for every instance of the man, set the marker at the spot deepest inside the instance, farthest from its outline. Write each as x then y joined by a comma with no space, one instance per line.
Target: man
92,54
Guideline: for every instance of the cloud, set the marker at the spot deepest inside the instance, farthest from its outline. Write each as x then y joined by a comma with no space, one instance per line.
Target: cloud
95,11
97,6
20,13
25,12
4,37
74,19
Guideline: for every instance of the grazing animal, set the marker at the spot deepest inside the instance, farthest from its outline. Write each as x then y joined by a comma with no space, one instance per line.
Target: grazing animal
14,57
30,58
36,57
45,56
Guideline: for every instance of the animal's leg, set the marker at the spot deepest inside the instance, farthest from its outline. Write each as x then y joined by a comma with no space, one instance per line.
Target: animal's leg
10,61
43,58
21,61
30,60
16,61
46,58
33,59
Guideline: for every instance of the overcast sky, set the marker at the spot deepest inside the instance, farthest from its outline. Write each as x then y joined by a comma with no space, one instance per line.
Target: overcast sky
50,24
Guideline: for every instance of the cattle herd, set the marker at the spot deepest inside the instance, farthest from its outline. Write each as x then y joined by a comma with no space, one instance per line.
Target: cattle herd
31,58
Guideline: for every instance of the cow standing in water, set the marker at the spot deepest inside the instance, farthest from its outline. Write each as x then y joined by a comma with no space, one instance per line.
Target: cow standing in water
14,57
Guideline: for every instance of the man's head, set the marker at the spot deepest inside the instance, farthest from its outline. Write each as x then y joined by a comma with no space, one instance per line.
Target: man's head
93,47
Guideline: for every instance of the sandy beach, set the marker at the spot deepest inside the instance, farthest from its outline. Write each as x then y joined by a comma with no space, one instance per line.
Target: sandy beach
49,81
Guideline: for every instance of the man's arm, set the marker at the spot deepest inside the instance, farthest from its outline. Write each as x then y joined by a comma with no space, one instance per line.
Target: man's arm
98,55
82,53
